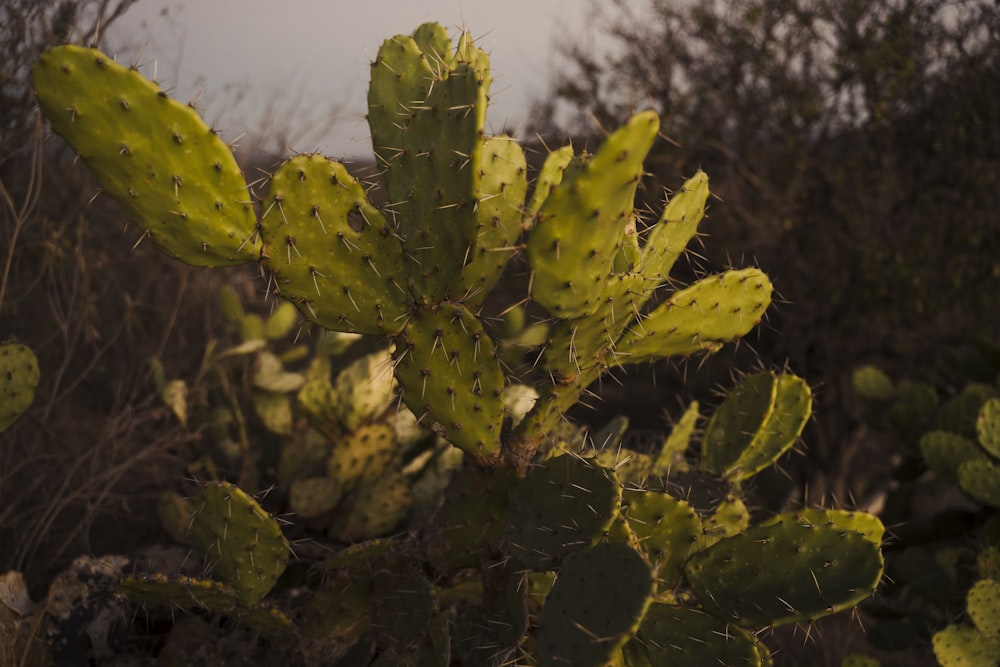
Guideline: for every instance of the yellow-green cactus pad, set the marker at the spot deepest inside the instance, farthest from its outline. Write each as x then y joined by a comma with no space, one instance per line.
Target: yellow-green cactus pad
155,156
19,377
333,253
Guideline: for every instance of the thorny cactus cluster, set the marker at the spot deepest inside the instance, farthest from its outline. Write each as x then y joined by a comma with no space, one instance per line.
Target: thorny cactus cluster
543,549
950,568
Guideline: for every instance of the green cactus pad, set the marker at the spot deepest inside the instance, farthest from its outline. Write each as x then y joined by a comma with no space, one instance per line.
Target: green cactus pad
965,646
702,317
824,569
872,383
671,456
362,455
447,367
175,513
675,636
630,467
792,409
241,541
274,411
595,606
19,377
562,505
473,518
333,254
364,389
549,176
359,556
183,592
731,517
988,563
677,225
269,374
154,156
980,478
317,402
988,426
581,225
427,112
736,423
340,613
960,413
281,322
315,496
375,509
666,529
404,604
864,523
944,452
983,605
500,199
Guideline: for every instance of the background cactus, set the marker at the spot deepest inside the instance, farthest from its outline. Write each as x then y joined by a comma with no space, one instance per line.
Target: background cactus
19,377
942,566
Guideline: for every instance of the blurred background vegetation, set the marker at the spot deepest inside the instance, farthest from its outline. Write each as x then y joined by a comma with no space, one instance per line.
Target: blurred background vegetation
854,151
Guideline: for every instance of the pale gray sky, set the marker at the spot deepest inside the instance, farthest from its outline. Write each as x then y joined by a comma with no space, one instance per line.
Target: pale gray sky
314,55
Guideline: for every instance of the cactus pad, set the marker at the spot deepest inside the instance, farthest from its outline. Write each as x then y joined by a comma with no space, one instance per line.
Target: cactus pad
944,452
364,389
701,317
447,367
671,455
675,636
427,111
362,455
980,478
340,613
596,604
375,509
988,426
241,541
499,200
872,383
333,254
548,177
581,226
677,225
667,529
183,592
173,176
792,409
735,424
983,605
965,646
473,517
18,379
825,569
314,496
562,505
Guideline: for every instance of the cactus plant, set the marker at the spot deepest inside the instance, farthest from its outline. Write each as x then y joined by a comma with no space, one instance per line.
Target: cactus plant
542,546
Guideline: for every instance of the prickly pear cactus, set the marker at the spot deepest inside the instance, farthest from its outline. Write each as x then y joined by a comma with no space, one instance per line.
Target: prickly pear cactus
18,379
243,544
544,547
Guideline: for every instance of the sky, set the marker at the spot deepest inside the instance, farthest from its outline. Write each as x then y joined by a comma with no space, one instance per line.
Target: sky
257,65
